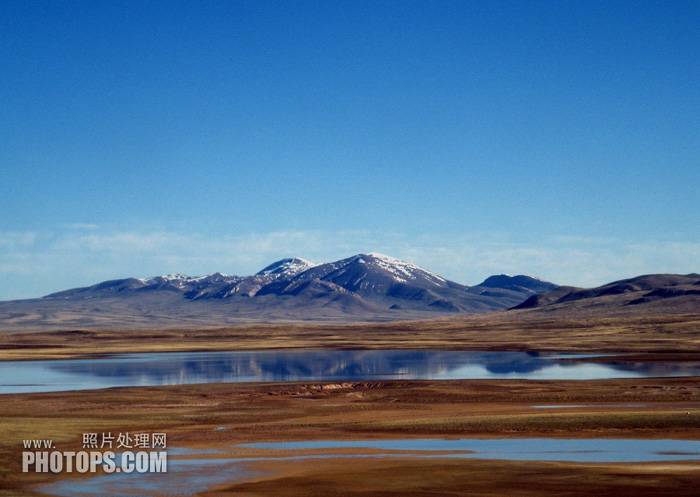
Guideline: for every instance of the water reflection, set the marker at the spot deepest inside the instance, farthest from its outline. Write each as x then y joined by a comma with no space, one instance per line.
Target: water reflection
517,449
314,365
184,478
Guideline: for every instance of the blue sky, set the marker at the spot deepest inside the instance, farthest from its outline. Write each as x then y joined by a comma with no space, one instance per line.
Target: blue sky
560,139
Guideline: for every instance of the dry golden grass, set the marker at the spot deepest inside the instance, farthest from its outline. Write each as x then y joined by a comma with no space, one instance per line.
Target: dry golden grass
505,330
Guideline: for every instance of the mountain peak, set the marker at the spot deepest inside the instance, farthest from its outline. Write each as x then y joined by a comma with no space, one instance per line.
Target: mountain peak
378,255
399,269
288,266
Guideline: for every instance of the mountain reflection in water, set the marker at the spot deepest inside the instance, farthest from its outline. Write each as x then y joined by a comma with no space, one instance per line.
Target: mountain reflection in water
315,365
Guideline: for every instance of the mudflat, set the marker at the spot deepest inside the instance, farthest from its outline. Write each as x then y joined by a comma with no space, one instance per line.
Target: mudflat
431,478
223,415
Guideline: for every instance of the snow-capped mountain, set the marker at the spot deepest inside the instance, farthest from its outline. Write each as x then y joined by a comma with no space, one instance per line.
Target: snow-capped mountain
249,286
366,285
286,267
371,273
376,277
184,282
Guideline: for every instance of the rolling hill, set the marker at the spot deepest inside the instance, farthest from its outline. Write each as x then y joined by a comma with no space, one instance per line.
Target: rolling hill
657,292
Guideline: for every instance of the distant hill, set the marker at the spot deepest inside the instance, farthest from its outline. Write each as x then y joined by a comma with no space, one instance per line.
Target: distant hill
664,291
519,283
362,287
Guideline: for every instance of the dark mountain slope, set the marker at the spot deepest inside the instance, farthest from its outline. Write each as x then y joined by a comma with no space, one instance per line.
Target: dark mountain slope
519,282
542,299
666,292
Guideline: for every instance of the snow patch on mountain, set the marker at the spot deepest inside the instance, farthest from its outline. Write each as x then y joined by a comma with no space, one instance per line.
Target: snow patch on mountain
402,270
286,267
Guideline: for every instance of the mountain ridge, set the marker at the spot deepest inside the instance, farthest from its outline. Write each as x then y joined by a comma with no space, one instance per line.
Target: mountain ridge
382,280
362,288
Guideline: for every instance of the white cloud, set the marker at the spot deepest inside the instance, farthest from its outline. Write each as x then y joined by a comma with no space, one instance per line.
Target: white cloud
82,226
33,264
14,239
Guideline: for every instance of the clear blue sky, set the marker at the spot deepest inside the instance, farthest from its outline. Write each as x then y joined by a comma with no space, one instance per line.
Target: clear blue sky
555,138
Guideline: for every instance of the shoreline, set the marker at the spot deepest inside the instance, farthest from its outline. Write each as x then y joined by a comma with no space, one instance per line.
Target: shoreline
215,415
222,415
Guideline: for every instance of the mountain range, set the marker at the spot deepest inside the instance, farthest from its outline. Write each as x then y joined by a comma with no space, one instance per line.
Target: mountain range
372,281
364,287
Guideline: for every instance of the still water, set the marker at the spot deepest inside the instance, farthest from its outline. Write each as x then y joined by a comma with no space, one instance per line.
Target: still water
187,477
148,369
516,449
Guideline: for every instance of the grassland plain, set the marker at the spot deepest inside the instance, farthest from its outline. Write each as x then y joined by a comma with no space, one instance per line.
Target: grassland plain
626,332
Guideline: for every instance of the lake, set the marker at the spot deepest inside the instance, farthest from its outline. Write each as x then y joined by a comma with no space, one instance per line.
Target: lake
147,369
